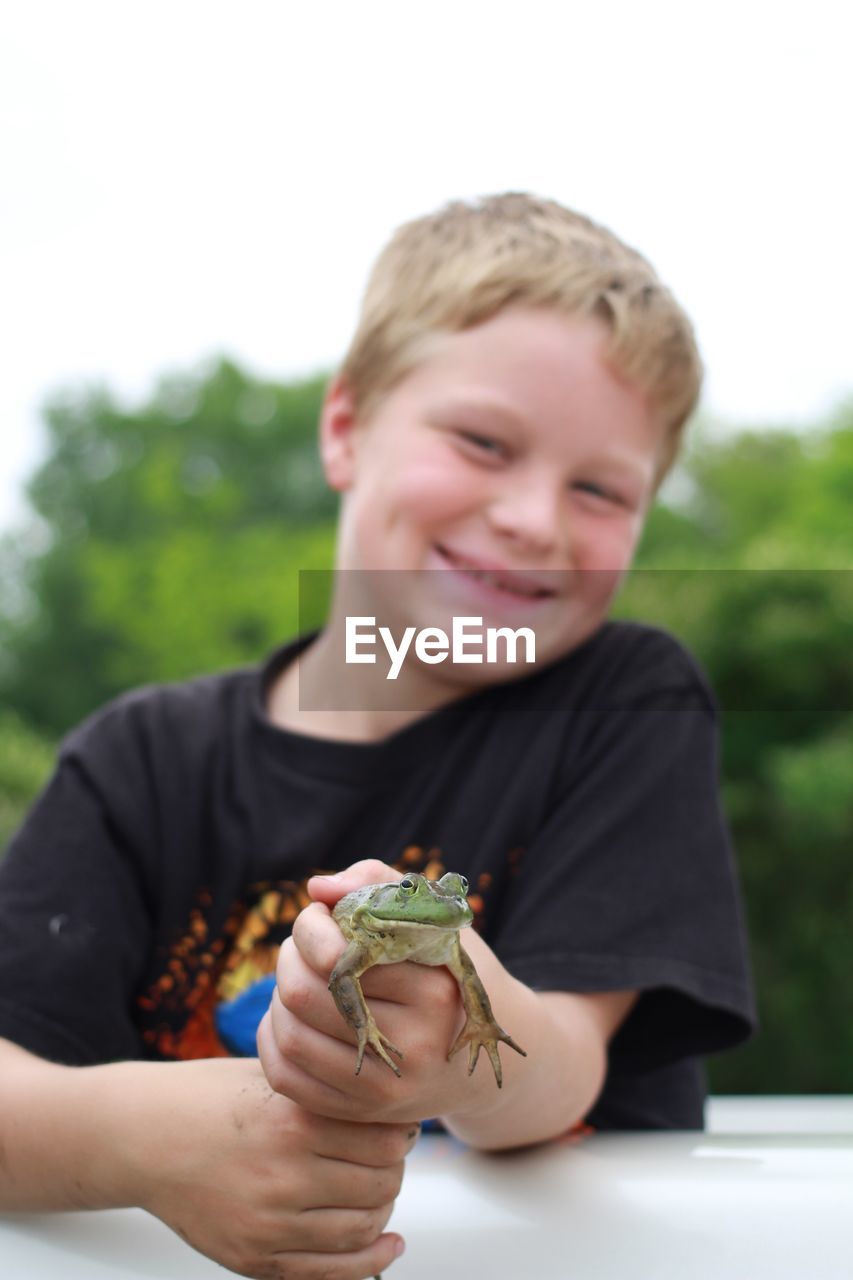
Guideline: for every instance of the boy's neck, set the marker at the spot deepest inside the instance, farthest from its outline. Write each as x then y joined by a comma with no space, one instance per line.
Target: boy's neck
309,697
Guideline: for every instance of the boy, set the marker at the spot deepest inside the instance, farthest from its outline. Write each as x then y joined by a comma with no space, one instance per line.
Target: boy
514,393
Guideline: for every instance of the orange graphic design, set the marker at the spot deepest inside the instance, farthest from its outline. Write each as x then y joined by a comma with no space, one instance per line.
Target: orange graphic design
199,975
205,978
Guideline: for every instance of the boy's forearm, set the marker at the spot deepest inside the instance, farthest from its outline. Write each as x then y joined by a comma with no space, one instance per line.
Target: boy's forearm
65,1135
550,1090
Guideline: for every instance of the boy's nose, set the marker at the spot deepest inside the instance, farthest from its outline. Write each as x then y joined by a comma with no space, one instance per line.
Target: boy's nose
531,516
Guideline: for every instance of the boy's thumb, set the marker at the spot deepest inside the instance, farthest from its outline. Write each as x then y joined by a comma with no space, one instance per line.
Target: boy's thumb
329,888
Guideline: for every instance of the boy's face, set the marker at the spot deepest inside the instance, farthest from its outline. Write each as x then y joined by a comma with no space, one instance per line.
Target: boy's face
514,460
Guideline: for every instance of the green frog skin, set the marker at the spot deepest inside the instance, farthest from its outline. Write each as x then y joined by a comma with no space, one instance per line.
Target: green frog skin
419,920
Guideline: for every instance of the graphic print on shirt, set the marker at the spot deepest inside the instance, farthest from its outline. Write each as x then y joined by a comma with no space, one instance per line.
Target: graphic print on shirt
213,991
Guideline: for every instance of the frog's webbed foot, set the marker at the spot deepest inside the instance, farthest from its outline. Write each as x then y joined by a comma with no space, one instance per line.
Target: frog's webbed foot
349,997
484,1035
370,1037
480,1030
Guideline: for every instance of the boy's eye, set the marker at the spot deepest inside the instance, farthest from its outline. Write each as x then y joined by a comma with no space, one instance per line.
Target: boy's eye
484,444
597,491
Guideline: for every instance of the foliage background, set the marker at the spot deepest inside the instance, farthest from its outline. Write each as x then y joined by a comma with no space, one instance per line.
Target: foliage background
166,541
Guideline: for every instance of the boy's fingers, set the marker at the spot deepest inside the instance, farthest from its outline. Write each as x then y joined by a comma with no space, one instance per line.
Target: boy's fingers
285,1077
338,1229
320,944
329,889
369,1143
297,1021
317,939
371,1261
307,958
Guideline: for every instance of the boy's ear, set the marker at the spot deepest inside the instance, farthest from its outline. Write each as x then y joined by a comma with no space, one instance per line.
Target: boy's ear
337,430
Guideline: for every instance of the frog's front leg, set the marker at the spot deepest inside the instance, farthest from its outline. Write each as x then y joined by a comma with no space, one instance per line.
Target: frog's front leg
348,996
480,1028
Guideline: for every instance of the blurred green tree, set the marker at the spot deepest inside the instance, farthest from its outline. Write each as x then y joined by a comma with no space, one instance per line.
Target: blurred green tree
759,584
170,539
26,760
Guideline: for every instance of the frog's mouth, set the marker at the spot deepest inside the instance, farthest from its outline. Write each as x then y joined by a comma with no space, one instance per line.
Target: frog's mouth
394,922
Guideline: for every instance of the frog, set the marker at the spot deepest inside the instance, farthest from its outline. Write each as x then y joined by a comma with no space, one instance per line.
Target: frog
414,919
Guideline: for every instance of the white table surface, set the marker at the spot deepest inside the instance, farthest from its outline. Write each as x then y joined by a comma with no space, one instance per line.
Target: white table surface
766,1192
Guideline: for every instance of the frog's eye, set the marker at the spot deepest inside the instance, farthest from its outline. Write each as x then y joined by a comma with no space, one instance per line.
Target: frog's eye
407,885
464,884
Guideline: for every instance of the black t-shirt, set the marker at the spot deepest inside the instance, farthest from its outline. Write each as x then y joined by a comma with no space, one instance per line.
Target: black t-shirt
143,901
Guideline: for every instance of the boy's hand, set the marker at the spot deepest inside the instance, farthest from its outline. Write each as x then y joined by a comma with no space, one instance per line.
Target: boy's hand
255,1182
308,1052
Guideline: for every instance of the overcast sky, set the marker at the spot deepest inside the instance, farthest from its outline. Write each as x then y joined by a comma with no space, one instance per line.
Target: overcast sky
190,177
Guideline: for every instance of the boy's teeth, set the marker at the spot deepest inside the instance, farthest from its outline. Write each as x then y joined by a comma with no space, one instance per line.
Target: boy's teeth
495,580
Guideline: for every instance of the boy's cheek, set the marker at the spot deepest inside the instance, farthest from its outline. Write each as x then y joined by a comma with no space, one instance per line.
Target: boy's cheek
425,498
607,546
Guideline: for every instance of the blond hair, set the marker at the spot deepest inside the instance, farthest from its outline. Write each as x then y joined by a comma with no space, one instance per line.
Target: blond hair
456,268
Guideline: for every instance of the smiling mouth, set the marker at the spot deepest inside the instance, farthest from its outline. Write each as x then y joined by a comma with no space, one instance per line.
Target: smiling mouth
507,581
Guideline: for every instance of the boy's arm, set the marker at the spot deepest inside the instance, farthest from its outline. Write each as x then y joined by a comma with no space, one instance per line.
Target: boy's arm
566,1037
55,1152
241,1175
